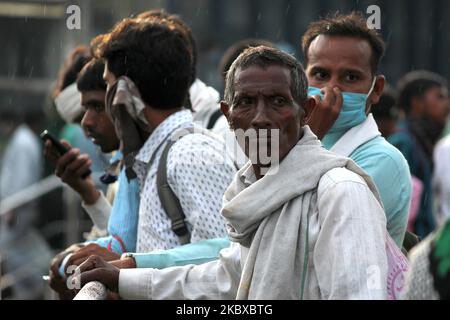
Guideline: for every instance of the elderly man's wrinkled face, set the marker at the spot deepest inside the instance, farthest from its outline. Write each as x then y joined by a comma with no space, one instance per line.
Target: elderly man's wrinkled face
263,102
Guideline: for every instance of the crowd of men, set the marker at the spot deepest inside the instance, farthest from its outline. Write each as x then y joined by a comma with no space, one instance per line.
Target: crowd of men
329,191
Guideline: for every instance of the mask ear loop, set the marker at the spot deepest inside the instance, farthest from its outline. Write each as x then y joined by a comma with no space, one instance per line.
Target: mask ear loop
372,86
371,90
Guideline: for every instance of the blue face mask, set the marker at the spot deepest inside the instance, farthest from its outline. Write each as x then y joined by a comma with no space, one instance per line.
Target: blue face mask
353,110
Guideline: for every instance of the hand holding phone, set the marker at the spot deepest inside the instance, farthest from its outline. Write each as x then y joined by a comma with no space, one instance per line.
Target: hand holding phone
45,135
59,148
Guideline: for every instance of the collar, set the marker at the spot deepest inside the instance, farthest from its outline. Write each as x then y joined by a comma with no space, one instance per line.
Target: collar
178,120
356,136
116,156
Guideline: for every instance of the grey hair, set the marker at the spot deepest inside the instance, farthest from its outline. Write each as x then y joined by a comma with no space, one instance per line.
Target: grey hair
264,57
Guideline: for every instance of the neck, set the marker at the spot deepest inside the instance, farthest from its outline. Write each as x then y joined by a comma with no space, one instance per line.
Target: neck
257,167
156,116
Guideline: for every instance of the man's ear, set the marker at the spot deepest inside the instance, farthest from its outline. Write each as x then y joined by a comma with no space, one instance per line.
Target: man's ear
225,108
308,108
377,91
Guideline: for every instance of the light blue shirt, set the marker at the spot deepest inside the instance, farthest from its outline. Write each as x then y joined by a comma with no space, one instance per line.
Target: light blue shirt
123,222
389,171
194,253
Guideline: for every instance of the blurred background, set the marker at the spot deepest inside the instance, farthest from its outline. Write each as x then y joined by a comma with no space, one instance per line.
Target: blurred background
35,40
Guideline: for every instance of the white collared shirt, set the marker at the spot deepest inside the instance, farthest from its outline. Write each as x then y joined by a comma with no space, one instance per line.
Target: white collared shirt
197,181
441,180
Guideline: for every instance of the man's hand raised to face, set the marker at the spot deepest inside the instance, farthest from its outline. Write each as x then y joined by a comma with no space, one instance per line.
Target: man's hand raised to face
326,111
97,269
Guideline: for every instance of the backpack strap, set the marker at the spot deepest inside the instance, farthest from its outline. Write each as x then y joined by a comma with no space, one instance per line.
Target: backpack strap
169,201
213,119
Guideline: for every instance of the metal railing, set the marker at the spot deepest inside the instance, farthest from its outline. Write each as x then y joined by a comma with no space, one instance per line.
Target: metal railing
30,193
27,195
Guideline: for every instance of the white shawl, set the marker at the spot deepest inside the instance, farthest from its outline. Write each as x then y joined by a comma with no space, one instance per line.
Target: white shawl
268,218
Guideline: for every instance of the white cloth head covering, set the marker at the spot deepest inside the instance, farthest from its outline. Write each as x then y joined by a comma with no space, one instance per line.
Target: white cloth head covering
68,103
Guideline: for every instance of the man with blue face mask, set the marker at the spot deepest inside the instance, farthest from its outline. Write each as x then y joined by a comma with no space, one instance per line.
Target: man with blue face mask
341,58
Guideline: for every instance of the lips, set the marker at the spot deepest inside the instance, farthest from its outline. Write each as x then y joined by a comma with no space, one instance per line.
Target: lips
94,138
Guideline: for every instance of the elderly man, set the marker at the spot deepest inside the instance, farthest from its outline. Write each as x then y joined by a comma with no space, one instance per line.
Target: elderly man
309,226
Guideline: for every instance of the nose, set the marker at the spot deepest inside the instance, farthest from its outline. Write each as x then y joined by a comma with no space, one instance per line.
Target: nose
88,121
261,119
334,83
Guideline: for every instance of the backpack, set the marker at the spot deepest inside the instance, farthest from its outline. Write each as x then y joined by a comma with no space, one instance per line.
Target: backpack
169,200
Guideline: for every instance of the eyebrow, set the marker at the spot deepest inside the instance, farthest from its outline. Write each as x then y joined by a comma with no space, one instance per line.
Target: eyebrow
317,68
94,103
347,70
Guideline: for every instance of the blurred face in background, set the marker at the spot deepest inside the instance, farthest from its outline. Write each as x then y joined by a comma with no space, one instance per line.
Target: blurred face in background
436,105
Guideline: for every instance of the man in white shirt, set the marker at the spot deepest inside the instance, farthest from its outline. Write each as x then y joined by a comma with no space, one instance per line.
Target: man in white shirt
152,84
441,180
306,225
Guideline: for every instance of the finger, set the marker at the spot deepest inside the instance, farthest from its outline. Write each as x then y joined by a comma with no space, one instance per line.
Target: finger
84,169
53,279
79,255
49,152
95,262
110,278
65,160
90,264
68,157
54,271
66,144
80,163
113,296
56,283
117,263
329,98
56,262
110,256
318,99
80,261
339,100
92,275
54,267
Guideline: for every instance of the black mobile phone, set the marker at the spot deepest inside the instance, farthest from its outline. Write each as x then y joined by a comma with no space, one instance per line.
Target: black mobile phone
61,149
45,135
